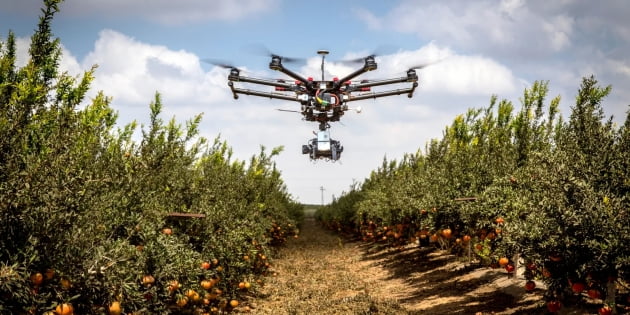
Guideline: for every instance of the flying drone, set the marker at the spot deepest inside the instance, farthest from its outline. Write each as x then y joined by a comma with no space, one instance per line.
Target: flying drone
321,101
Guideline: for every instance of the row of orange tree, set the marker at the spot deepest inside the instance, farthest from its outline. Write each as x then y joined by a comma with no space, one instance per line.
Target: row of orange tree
511,182
90,214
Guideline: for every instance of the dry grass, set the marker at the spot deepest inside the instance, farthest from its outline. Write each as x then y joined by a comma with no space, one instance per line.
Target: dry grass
323,273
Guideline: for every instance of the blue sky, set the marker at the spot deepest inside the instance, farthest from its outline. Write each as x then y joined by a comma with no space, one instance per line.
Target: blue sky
486,47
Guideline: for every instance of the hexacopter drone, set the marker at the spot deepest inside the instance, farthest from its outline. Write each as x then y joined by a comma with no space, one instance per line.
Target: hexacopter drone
321,101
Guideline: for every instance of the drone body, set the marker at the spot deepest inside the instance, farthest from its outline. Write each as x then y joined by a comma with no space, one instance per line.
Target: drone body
322,101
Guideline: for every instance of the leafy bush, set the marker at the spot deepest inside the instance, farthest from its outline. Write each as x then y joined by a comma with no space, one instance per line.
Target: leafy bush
553,192
91,217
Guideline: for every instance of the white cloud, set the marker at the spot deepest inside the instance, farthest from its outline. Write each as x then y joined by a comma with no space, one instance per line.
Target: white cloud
508,28
161,11
559,41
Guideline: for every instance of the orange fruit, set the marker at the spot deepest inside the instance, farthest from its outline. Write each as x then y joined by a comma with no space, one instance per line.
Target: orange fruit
173,285
64,309
181,302
446,233
50,273
190,293
148,280
234,303
578,287
37,278
530,285
503,261
65,283
207,284
114,308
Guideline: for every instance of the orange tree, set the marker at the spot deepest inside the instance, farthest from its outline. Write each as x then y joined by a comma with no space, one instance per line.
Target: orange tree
554,192
84,209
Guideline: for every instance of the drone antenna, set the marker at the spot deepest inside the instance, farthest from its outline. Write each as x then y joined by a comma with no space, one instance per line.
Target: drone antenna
323,53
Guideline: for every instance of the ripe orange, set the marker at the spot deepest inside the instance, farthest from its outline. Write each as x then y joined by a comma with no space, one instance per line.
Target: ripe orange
447,233
65,283
530,285
593,293
499,220
114,308
50,273
181,302
509,268
205,265
234,303
148,280
491,236
64,309
207,284
167,231
433,238
173,285
503,261
241,285
190,293
605,310
578,287
37,278
554,306
466,238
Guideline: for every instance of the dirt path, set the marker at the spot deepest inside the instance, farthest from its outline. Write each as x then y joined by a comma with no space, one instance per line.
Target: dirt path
322,273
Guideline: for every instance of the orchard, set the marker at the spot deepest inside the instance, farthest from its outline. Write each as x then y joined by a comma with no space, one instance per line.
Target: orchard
507,187
95,222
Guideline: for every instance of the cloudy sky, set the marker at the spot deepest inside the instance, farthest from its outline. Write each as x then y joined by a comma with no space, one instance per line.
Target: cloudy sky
484,47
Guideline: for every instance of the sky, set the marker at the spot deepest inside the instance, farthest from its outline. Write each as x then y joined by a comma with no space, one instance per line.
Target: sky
481,48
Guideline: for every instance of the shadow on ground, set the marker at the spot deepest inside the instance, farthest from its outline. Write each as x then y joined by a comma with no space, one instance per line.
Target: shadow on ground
437,282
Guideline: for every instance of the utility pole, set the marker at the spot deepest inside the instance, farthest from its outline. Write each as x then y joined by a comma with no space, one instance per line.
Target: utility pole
322,189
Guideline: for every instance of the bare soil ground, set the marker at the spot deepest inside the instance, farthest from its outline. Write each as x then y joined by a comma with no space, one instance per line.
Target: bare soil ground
323,273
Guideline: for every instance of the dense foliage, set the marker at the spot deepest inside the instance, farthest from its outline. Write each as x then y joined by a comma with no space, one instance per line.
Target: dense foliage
522,185
91,219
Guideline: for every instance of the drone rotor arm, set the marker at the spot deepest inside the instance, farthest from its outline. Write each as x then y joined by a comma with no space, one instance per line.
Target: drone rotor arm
279,67
266,82
359,86
408,91
350,77
279,96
